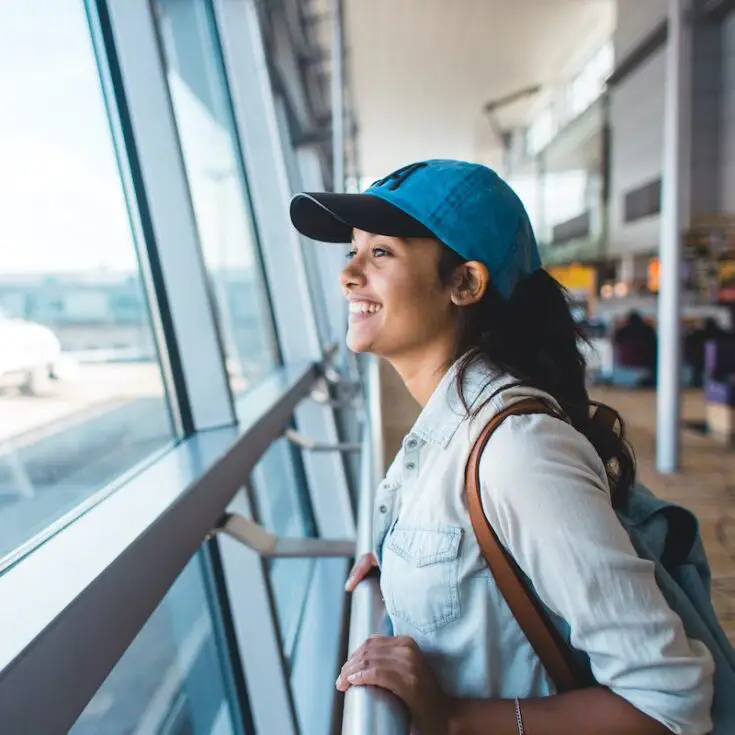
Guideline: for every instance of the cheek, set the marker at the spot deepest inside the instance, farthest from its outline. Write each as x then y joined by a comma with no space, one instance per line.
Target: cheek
418,303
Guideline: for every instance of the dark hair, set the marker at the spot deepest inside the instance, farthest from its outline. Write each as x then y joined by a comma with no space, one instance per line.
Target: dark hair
533,337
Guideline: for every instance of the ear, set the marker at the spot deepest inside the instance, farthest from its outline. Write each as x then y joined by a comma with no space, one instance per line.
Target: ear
469,283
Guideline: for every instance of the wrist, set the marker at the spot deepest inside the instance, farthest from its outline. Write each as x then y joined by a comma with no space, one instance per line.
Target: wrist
473,716
455,722
444,719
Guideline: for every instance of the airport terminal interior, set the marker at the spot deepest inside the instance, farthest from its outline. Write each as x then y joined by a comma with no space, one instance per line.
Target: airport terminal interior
189,452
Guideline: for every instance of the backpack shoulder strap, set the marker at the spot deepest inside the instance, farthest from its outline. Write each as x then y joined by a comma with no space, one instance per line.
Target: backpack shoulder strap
549,646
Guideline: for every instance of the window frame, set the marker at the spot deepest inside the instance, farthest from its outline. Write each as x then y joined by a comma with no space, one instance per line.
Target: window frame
206,10
75,613
82,597
128,33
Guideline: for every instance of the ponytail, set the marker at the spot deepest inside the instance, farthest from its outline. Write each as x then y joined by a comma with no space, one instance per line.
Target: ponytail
533,337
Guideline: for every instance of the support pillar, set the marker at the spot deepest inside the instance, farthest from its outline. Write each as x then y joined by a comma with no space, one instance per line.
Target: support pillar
675,164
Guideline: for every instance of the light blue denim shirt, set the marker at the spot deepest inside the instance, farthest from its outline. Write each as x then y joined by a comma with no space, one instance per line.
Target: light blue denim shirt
546,493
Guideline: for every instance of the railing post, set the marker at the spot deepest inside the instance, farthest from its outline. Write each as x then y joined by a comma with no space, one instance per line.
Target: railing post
369,710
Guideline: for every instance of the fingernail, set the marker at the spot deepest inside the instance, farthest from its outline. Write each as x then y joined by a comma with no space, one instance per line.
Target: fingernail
348,583
352,678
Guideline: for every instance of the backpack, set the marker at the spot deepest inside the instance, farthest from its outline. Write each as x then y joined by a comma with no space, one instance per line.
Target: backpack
664,533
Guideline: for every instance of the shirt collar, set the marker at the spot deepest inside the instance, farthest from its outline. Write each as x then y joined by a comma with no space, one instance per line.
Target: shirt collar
442,415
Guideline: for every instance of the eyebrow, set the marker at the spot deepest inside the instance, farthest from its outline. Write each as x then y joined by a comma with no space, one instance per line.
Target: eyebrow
402,240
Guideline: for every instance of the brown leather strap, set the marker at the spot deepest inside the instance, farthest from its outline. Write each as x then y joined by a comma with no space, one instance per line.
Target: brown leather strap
549,646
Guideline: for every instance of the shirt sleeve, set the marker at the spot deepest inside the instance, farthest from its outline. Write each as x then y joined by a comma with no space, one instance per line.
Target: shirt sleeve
545,492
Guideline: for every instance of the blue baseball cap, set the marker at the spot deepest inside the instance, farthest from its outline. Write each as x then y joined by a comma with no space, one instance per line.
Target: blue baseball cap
466,206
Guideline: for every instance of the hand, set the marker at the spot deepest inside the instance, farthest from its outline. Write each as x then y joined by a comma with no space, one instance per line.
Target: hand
363,565
397,664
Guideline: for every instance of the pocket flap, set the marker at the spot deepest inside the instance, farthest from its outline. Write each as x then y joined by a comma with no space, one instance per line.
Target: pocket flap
423,546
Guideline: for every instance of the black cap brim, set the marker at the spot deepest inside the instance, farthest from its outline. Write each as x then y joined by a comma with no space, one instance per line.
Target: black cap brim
331,217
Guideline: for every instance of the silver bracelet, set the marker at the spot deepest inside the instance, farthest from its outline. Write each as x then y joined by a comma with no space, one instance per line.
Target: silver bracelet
519,718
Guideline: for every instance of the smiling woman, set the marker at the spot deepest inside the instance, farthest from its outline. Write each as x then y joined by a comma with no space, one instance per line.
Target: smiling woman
478,331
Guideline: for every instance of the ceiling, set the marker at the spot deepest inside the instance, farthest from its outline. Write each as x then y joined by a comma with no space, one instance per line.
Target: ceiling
423,70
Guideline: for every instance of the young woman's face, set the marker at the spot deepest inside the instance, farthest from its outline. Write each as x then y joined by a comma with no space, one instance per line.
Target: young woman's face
397,304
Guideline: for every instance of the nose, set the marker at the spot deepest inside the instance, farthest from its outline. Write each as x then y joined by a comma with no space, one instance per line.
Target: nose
353,274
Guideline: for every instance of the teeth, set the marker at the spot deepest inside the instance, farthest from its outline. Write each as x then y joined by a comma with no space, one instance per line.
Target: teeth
362,307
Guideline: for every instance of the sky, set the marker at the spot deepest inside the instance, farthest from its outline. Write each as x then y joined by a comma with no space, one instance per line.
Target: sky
61,200
62,207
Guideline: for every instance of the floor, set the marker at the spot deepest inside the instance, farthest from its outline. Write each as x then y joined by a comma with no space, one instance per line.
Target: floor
705,484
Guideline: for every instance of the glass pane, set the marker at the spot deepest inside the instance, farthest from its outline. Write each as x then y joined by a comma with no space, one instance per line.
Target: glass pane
283,506
81,394
309,248
211,156
171,679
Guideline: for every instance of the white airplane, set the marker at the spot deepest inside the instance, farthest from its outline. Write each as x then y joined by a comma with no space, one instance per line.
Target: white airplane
29,354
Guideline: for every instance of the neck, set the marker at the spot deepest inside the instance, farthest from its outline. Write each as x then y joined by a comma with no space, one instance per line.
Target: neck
421,371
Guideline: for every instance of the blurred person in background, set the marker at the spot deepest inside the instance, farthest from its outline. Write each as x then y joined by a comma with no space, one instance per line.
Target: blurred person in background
636,343
695,344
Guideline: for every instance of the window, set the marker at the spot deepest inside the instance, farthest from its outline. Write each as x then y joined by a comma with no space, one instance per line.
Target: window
565,195
589,84
644,201
82,397
211,156
571,229
541,131
571,100
172,679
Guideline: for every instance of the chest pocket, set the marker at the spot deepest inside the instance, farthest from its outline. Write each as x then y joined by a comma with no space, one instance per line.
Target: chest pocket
420,575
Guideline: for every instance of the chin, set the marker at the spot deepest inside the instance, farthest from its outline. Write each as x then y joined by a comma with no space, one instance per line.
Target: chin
357,345
362,341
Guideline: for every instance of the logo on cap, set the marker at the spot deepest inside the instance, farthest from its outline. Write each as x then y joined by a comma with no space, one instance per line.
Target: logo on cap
395,179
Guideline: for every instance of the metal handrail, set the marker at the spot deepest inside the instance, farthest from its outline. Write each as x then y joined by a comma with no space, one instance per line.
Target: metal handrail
370,710
90,616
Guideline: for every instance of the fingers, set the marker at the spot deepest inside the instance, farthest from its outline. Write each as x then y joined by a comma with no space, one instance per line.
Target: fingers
398,666
357,660
380,674
364,564
383,675
378,661
376,670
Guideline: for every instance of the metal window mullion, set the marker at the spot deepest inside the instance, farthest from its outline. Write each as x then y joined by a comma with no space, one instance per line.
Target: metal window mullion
330,262
117,114
164,184
256,631
337,95
256,120
296,182
226,639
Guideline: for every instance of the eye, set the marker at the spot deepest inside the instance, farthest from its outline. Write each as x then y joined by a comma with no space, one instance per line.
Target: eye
380,252
351,254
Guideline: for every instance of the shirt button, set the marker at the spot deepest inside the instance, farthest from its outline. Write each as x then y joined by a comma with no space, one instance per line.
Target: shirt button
411,444
410,466
383,509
